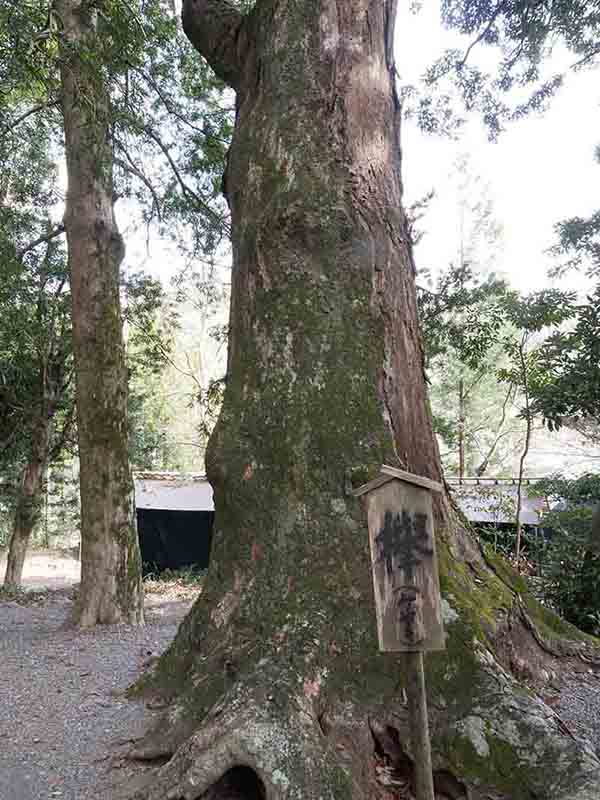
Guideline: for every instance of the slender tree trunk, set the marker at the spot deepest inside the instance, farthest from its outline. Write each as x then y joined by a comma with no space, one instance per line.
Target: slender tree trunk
461,428
482,468
275,675
525,451
111,588
29,501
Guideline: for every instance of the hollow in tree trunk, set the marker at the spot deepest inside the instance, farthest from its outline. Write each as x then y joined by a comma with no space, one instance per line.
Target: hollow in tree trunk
111,587
276,684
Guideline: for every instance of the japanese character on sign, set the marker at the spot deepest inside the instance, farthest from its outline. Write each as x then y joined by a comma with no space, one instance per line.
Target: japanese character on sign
403,543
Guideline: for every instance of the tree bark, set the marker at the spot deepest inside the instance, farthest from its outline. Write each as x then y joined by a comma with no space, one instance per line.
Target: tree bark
29,498
525,451
461,428
111,587
52,355
276,670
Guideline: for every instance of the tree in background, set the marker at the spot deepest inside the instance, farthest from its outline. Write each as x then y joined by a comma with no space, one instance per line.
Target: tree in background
124,89
176,356
152,323
522,37
36,393
462,319
570,392
36,366
524,373
111,575
199,360
572,557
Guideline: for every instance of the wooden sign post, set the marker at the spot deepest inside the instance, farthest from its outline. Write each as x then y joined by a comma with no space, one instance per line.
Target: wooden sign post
407,591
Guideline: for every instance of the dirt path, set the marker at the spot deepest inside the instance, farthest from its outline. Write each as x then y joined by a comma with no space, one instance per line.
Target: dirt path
47,569
63,719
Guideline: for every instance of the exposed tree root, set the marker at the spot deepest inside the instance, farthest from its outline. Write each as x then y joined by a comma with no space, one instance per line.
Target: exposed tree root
250,746
559,648
312,711
248,751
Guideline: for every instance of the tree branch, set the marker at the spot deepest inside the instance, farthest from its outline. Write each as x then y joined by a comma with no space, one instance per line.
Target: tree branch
499,434
187,190
214,27
483,33
47,237
170,107
130,166
595,51
18,120
62,437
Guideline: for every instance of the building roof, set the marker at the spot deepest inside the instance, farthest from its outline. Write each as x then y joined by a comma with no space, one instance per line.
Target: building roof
170,491
494,500
490,500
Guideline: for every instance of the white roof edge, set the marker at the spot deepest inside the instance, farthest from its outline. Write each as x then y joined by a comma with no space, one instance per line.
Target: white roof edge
148,475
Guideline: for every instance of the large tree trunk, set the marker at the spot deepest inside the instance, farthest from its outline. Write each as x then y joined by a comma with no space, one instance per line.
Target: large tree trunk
29,500
278,687
111,588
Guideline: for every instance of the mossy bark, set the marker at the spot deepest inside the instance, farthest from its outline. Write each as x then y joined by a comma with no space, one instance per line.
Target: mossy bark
277,670
29,499
51,382
111,587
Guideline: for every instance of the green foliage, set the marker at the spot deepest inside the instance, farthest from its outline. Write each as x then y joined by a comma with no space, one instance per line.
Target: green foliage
503,540
572,559
171,122
210,401
62,516
578,245
172,131
35,344
479,334
461,316
521,35
151,321
463,321
570,364
539,310
526,367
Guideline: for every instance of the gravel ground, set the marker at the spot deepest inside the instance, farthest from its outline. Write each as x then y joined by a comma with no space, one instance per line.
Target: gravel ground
65,725
64,722
579,706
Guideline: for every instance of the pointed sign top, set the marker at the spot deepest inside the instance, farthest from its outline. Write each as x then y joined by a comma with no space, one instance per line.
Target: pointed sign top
392,473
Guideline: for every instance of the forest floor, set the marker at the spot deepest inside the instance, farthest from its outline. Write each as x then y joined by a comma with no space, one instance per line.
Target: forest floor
65,723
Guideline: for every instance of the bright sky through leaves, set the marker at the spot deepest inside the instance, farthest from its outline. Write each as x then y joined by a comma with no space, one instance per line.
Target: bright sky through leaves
541,170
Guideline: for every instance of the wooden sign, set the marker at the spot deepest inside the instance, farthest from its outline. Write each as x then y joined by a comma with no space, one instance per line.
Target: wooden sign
405,574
